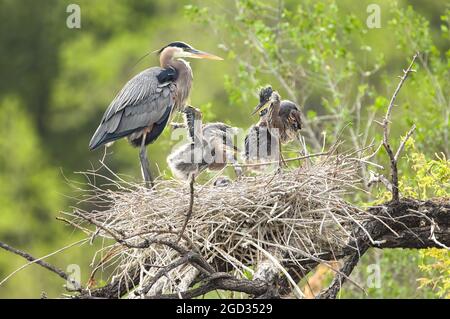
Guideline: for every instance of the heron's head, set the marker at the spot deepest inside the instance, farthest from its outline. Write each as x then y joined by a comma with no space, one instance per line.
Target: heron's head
178,49
266,95
192,111
193,118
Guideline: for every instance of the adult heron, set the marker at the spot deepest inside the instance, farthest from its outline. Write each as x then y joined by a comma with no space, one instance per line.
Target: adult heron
280,122
141,110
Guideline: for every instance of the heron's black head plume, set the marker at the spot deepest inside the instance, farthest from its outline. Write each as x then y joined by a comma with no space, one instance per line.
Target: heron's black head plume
177,44
265,94
264,97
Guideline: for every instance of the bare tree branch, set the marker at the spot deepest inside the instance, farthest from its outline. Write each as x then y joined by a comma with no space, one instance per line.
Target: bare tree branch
350,263
403,143
37,261
393,158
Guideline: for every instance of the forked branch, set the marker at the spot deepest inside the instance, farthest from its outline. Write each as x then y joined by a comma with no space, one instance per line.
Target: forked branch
386,121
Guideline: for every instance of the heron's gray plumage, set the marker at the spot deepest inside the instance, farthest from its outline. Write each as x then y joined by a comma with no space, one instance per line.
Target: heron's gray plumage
210,146
260,144
291,117
141,103
277,125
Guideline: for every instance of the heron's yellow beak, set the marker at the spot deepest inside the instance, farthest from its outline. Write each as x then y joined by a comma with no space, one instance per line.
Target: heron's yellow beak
196,54
261,106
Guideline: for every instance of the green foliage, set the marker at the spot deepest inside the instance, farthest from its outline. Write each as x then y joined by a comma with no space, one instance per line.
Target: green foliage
428,92
436,265
398,270
432,177
322,55
432,180
30,186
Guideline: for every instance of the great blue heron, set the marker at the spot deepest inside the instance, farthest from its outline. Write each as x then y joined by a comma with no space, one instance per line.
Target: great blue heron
143,107
210,147
279,123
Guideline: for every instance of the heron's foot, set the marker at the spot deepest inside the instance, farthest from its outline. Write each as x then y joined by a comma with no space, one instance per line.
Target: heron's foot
146,174
149,184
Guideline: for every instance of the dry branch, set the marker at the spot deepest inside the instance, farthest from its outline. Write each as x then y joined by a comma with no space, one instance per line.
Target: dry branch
40,262
37,261
386,144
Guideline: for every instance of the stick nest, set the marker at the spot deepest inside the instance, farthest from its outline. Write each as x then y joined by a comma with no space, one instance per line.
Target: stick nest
284,217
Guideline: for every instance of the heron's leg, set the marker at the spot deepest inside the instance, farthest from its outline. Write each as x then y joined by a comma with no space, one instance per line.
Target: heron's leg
302,151
230,156
237,170
281,161
191,206
145,167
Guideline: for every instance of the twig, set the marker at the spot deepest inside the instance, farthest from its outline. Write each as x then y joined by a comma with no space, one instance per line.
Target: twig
124,241
65,220
164,271
403,143
191,206
393,158
34,260
285,160
345,271
379,178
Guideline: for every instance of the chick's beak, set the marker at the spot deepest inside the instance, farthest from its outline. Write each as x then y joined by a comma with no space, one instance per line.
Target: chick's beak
261,106
196,54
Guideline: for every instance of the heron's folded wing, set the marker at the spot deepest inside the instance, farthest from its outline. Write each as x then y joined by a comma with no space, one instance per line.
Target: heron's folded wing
290,113
143,102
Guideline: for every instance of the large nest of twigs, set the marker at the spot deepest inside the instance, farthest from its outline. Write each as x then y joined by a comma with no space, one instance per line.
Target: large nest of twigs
282,217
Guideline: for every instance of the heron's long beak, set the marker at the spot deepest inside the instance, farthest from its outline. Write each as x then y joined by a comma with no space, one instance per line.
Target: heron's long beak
196,54
261,106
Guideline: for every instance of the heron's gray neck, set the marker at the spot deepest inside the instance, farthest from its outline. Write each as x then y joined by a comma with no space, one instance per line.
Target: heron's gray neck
197,130
184,81
193,120
274,109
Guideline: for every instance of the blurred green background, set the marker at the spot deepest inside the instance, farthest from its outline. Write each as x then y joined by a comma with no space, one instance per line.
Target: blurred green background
56,83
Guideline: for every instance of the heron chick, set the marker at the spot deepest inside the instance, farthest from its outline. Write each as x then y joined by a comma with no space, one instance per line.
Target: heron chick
144,106
211,146
279,123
